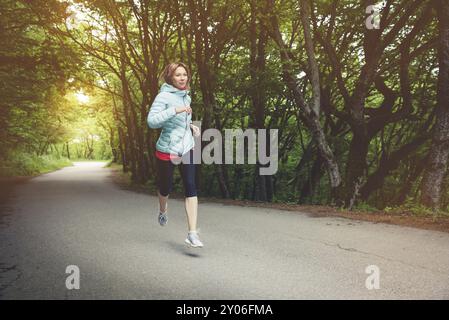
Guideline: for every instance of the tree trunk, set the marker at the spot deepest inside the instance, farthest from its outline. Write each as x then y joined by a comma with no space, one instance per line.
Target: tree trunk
131,150
257,69
356,168
67,148
413,174
238,178
309,186
439,151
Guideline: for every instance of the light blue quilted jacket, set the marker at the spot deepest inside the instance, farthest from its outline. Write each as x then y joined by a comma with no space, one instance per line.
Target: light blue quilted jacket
176,135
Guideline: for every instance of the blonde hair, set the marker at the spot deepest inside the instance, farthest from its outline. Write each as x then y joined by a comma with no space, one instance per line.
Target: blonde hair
169,71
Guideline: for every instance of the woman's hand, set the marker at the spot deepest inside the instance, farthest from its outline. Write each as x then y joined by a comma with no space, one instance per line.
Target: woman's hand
184,109
196,130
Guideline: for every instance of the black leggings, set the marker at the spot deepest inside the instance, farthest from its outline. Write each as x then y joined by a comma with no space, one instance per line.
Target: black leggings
165,175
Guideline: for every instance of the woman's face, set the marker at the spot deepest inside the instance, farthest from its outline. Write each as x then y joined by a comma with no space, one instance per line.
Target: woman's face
180,78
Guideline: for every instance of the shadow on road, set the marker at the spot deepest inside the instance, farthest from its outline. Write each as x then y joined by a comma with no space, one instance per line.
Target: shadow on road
184,249
7,186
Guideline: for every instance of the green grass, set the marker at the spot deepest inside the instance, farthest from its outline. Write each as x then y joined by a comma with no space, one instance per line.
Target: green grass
365,207
418,210
23,164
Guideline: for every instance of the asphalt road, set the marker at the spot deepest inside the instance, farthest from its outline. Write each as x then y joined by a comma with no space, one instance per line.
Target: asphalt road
78,217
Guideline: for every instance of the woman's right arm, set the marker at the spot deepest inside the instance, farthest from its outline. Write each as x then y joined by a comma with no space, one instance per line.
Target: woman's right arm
158,114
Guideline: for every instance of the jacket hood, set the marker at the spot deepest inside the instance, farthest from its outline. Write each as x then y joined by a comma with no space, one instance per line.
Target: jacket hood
172,89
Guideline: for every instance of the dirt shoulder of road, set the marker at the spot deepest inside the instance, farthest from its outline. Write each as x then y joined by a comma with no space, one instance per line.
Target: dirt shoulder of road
317,211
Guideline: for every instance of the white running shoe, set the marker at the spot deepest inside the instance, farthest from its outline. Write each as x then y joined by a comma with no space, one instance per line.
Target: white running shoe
162,218
193,240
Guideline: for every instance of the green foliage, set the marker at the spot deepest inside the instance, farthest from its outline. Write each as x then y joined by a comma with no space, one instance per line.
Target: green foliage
365,207
33,72
26,164
411,207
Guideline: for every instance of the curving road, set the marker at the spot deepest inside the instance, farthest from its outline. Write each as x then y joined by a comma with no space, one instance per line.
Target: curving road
78,216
